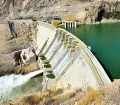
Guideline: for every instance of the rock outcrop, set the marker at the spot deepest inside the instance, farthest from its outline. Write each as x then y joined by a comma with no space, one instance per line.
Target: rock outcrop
46,8
95,12
16,48
28,8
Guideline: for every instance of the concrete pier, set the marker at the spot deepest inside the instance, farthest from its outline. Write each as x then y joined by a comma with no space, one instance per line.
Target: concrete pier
70,24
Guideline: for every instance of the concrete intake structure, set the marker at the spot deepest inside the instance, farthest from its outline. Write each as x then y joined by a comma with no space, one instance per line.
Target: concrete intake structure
71,61
69,24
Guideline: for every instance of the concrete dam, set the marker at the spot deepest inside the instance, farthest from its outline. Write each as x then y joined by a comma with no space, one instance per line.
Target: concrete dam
71,60
61,53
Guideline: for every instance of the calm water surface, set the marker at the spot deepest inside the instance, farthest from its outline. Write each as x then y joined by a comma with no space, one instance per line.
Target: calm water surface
104,40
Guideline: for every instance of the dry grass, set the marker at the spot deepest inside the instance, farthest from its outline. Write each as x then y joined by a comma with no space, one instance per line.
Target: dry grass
50,97
108,95
90,96
29,68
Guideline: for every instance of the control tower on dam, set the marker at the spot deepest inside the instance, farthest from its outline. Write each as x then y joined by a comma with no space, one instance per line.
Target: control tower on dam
68,58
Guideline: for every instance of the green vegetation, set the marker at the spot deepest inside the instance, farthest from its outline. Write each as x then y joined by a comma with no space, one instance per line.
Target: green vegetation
51,76
47,65
47,62
49,71
113,15
43,57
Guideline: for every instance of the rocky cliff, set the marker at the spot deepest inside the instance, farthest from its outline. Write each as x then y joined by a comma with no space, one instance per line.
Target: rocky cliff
27,8
46,8
98,10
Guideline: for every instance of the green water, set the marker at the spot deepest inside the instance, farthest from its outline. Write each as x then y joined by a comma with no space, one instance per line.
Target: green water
104,40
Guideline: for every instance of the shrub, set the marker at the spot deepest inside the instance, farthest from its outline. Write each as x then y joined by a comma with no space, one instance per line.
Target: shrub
114,15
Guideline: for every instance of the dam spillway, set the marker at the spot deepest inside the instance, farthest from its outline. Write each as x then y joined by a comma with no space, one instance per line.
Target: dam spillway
66,55
68,58
69,55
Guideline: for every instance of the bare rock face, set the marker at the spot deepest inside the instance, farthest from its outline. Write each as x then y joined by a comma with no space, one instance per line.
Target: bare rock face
4,6
46,8
96,10
25,8
112,6
16,41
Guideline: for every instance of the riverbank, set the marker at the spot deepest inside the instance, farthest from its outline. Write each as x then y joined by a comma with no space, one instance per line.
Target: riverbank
107,21
103,21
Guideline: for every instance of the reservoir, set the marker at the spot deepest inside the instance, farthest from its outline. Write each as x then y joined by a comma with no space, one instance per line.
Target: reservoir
104,40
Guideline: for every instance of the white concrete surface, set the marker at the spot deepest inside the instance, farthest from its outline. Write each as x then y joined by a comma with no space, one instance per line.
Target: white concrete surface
79,75
44,32
81,70
92,61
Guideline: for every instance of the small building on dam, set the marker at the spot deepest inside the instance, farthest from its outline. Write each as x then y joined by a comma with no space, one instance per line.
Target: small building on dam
67,58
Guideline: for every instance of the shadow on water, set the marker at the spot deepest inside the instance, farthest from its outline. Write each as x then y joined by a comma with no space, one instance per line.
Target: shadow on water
94,53
106,70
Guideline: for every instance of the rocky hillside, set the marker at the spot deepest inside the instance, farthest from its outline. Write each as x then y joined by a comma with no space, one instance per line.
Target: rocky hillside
16,8
102,9
13,41
46,8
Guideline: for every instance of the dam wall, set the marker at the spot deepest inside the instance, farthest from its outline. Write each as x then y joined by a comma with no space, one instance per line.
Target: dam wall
71,61
66,56
85,69
45,34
